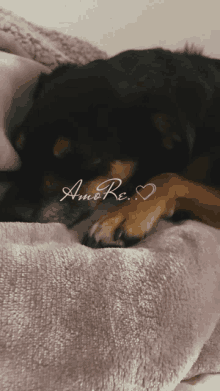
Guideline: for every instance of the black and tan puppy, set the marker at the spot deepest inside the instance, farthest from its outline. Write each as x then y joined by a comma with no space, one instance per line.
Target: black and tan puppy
108,128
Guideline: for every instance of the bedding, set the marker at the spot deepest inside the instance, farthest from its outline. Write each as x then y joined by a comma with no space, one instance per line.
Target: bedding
75,318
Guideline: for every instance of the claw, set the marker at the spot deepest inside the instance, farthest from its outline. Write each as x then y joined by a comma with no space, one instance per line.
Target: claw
91,242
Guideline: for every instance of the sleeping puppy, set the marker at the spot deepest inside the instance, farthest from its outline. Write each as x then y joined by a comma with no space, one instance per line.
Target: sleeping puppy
141,127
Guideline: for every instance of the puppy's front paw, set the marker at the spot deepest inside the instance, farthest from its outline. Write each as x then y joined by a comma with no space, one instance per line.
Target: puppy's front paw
128,225
106,232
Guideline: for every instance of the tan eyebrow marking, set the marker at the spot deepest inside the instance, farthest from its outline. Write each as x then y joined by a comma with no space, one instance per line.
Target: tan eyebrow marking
62,147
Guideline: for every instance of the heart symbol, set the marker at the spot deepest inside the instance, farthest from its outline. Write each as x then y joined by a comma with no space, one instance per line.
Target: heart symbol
143,187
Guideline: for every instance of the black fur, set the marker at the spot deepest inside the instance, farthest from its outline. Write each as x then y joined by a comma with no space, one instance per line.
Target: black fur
106,108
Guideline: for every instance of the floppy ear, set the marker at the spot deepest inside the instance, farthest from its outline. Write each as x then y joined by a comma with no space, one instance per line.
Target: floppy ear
44,83
172,131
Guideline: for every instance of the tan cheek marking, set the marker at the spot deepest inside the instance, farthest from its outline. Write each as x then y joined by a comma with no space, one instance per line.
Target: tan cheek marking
118,169
62,147
122,169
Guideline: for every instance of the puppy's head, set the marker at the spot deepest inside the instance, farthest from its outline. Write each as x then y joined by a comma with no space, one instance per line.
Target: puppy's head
81,128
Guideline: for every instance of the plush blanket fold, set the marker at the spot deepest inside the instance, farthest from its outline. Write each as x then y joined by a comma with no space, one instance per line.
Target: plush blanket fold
74,318
80,319
49,47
